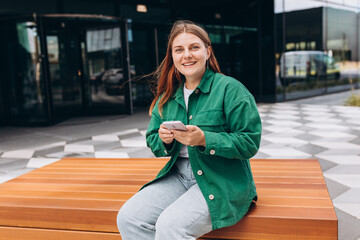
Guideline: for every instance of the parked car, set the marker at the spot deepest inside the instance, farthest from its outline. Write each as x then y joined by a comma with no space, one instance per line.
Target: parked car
113,80
296,66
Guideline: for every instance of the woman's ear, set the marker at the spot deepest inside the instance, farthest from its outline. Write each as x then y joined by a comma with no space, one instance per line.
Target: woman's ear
208,52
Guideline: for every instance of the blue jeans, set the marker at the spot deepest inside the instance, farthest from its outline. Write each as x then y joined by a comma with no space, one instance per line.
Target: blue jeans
172,208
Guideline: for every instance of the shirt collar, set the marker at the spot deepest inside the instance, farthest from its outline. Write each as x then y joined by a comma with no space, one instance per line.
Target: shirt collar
204,86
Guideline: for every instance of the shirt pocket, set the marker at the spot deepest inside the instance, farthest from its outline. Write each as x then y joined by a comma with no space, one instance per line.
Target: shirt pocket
210,120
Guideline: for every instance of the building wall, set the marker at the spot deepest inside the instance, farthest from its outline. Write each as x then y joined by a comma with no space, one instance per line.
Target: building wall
317,48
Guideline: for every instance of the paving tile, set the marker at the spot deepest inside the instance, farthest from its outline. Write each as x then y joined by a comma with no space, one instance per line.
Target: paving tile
287,141
305,128
341,159
348,225
78,148
287,133
48,146
277,129
336,145
61,154
40,162
332,127
260,155
74,140
308,137
81,155
356,141
130,135
126,132
11,164
326,165
111,154
13,174
264,142
284,117
351,181
48,151
285,123
107,146
133,143
311,148
265,132
332,134
352,196
108,137
283,152
345,169
335,189
280,111
18,154
323,119
319,114
342,152
142,153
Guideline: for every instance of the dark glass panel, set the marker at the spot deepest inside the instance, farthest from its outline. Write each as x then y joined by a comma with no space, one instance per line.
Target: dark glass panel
22,78
342,48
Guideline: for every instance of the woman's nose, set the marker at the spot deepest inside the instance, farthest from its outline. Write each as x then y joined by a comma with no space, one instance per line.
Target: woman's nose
187,54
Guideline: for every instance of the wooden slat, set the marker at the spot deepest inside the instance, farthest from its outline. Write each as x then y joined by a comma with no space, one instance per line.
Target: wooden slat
17,233
79,199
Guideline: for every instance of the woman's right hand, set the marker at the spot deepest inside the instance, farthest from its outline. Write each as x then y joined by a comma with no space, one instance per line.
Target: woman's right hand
166,135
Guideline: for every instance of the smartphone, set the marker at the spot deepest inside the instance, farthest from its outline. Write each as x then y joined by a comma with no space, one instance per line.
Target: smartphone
177,125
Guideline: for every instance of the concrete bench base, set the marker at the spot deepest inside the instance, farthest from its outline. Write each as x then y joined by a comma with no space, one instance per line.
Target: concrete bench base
78,198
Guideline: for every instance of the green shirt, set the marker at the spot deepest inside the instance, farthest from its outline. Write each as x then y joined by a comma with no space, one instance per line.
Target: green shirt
225,110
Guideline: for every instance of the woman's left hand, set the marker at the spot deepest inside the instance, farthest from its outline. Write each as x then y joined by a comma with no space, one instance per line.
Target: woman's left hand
193,137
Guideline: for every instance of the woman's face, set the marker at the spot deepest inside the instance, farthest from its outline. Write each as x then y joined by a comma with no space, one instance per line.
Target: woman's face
189,55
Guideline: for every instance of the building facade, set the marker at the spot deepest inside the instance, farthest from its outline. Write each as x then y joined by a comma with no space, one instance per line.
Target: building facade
63,58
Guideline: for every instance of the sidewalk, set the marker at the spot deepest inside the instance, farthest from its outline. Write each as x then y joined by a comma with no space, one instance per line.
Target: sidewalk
309,128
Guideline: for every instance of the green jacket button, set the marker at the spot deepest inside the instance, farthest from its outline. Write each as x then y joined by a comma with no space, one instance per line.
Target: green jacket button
211,197
212,152
199,172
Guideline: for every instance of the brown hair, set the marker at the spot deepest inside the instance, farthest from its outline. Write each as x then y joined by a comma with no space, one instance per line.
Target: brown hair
166,76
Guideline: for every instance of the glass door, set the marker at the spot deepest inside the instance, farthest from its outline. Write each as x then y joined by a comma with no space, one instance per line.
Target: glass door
86,66
65,73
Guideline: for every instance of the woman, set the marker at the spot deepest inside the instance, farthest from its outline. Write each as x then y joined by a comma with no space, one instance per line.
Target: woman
207,184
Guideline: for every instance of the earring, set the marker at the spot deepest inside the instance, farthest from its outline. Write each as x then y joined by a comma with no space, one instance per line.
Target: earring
207,63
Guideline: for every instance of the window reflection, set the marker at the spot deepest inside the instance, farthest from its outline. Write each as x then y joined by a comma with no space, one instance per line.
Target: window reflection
105,68
26,87
317,47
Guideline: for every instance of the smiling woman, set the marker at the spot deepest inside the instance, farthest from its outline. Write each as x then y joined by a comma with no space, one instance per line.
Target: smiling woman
207,183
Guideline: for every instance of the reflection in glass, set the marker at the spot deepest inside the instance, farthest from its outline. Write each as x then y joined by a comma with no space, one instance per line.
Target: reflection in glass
317,47
105,68
342,44
64,74
24,68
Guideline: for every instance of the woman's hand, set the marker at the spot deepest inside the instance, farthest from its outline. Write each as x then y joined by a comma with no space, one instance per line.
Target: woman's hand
193,137
166,135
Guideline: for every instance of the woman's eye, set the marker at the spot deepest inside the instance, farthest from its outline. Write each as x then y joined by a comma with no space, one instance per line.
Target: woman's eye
195,47
178,50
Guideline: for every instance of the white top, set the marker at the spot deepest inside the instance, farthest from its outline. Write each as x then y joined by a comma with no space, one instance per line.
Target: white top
184,152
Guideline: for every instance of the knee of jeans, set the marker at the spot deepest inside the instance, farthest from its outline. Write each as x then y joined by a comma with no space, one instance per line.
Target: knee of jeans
166,222
123,218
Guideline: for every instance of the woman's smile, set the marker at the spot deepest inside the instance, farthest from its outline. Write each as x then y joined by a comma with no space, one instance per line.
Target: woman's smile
189,64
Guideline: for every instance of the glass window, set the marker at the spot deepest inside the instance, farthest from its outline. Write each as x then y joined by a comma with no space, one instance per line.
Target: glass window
22,68
341,46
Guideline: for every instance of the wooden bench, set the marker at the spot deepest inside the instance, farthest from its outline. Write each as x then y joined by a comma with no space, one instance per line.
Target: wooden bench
78,198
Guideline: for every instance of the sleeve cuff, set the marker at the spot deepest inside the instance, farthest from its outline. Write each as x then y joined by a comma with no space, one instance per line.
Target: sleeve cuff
210,144
166,151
